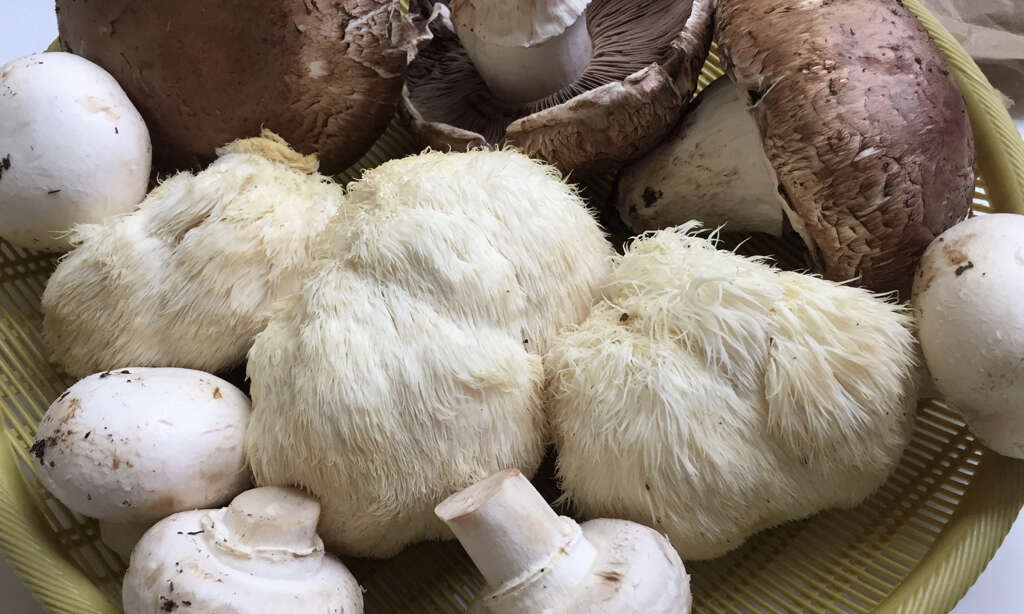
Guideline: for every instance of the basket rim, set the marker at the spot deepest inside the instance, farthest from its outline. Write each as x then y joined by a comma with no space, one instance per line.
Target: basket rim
940,579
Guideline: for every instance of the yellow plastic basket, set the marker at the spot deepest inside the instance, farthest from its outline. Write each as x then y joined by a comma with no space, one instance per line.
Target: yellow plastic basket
914,547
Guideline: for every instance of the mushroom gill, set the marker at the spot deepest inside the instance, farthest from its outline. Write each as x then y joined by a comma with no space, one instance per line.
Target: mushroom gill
451,105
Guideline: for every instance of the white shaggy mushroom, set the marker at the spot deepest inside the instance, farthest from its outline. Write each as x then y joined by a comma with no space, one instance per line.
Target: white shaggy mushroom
408,366
188,279
727,396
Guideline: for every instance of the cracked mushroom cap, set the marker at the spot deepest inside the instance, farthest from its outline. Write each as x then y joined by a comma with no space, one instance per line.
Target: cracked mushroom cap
862,122
325,76
646,58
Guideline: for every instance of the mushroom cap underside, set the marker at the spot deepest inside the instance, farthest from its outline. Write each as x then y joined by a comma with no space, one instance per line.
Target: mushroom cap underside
646,59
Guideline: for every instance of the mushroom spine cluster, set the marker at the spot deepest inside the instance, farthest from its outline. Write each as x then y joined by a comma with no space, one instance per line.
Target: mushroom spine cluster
187,280
408,365
731,395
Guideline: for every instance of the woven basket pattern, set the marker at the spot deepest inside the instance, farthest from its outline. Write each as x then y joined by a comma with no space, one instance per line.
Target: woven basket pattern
914,547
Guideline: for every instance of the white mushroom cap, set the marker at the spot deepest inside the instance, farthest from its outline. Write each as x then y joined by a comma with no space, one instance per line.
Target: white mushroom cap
73,149
136,445
260,554
967,293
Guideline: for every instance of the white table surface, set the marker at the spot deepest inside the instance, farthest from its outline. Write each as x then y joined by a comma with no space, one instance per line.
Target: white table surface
27,26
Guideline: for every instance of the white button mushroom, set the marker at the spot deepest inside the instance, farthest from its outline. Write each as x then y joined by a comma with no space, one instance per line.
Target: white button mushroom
135,445
967,293
732,396
73,149
261,554
536,561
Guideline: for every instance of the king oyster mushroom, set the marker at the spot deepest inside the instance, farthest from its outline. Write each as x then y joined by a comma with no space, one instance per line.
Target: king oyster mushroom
584,85
325,76
850,123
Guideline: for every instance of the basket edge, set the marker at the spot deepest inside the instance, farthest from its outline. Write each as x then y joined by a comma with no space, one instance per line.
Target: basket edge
999,147
33,550
956,559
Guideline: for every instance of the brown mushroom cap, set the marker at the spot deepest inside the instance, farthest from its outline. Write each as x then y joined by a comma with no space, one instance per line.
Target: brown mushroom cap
862,122
325,76
647,56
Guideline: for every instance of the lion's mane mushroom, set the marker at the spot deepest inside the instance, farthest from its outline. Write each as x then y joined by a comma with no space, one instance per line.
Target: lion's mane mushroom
731,395
408,364
73,149
259,555
864,127
325,75
584,85
132,446
536,561
967,294
186,280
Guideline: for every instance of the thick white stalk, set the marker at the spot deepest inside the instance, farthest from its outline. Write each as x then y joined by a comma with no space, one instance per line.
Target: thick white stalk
524,51
530,556
269,532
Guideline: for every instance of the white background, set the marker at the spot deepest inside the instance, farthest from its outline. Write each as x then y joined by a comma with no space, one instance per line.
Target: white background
27,26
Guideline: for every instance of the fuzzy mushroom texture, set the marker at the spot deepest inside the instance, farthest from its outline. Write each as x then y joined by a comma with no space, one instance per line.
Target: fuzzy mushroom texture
188,279
132,446
585,85
259,554
408,364
967,296
73,149
732,396
326,76
870,146
536,561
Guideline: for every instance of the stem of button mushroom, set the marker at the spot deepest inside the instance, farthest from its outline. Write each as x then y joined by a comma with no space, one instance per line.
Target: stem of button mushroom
513,537
269,531
524,49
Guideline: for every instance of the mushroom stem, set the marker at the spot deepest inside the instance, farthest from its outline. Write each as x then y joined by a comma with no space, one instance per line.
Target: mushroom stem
515,539
267,531
524,49
713,169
